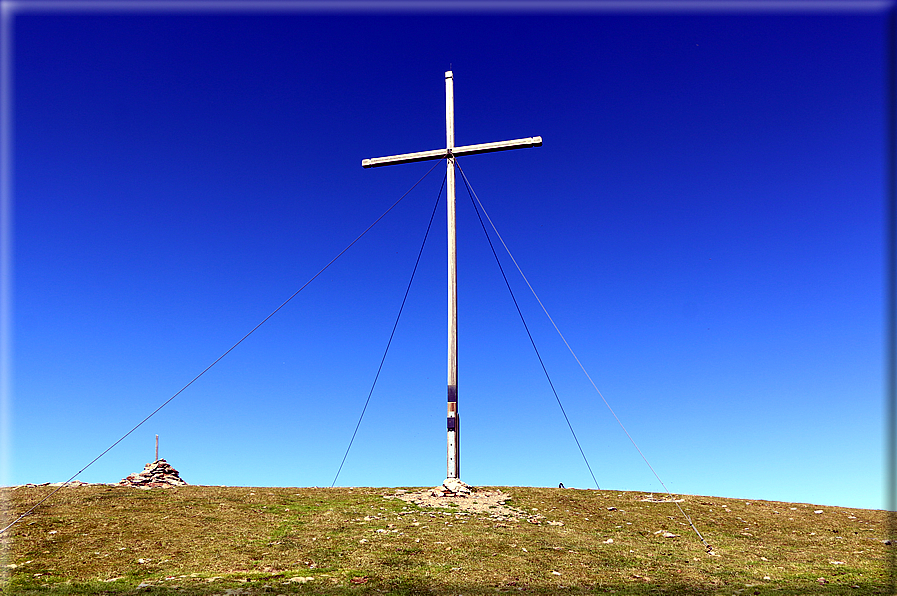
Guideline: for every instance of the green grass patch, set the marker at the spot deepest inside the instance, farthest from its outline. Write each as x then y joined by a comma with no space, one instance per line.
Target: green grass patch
231,541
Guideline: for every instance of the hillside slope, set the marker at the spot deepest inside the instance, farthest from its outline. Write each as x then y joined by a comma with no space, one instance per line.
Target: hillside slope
240,540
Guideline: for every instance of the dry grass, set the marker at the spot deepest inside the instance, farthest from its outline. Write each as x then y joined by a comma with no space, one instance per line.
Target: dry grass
230,540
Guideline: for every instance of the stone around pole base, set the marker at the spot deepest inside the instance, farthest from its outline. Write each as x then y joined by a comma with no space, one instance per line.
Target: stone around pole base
452,487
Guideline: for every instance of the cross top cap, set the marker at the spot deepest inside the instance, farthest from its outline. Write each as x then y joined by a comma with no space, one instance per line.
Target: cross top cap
448,74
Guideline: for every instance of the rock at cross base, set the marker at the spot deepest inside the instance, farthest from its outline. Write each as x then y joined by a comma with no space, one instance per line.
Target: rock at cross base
452,487
157,474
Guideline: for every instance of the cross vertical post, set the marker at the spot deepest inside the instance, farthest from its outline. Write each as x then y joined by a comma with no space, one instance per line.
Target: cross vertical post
452,463
449,154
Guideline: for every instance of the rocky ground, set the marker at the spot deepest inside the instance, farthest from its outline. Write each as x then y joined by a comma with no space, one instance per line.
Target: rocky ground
456,495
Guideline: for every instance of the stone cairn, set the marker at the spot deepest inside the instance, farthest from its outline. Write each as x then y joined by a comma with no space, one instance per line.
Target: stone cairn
452,487
158,474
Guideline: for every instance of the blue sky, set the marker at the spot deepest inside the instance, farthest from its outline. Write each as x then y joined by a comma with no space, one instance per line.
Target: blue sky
705,223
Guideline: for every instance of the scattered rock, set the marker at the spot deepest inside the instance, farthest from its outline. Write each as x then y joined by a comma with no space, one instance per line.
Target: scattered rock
653,499
822,581
818,511
158,474
301,580
71,484
489,502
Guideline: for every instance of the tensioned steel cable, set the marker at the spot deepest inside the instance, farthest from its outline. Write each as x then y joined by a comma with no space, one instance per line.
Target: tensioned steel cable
229,350
588,376
391,335
530,335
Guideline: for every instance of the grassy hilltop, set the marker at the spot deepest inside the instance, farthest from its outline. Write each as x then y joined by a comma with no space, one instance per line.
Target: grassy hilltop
104,539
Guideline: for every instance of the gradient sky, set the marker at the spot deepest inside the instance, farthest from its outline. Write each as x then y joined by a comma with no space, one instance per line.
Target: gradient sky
705,223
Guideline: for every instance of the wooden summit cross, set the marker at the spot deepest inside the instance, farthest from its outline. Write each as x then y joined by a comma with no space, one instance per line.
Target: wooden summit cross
449,154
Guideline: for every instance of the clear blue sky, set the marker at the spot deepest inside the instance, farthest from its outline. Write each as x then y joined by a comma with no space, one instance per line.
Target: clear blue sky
705,223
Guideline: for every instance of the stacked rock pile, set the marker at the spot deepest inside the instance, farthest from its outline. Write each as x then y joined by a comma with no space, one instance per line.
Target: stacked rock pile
452,487
158,474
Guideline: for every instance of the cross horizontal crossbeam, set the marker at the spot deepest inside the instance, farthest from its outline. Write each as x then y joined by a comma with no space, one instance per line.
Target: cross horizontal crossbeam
376,162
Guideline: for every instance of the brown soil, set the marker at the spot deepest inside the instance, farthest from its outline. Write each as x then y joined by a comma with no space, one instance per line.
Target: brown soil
491,502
